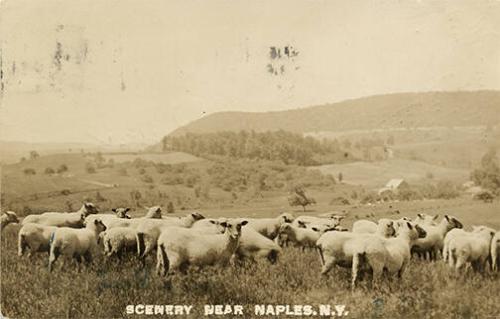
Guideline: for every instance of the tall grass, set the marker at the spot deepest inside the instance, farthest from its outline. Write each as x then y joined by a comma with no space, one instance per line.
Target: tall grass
102,290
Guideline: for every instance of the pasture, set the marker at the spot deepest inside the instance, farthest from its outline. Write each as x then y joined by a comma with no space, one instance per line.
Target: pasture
427,290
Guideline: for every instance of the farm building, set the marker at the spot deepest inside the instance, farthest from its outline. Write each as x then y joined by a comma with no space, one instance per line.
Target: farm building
394,185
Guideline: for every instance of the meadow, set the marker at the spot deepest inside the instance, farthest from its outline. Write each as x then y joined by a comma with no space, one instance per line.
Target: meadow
103,290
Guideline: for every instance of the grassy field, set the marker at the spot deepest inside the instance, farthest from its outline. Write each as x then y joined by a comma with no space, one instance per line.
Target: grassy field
377,174
427,290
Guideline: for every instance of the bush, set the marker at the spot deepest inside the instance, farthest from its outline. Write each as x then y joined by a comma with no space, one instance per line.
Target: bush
370,198
485,196
147,178
170,208
90,168
65,192
29,171
446,190
49,171
61,169
123,171
340,200
142,171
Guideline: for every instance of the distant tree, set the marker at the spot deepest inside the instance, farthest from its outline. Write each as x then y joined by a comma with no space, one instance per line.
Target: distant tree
29,171
170,208
123,171
146,178
99,197
34,155
90,168
340,177
390,140
49,171
299,198
488,175
62,168
135,196
69,206
111,163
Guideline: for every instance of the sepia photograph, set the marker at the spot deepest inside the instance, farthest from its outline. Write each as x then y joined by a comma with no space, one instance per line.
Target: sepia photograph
250,159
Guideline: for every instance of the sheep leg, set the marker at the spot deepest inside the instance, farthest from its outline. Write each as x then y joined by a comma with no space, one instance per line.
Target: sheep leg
327,266
21,245
355,269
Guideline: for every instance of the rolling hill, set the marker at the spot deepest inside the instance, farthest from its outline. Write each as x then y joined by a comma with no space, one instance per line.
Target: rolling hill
401,110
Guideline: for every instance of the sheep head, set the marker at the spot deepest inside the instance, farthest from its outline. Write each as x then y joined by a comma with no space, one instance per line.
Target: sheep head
233,228
452,222
99,225
122,212
153,212
12,217
286,218
89,208
386,227
197,216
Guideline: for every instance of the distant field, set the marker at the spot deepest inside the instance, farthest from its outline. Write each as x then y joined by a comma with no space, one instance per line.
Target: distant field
166,158
377,174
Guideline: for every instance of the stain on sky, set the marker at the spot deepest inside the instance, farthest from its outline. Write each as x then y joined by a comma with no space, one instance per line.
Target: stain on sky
281,59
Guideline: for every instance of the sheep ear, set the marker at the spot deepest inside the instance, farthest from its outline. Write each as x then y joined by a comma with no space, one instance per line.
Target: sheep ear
213,222
127,209
113,210
96,221
420,215
315,229
409,225
243,223
435,217
224,224
447,218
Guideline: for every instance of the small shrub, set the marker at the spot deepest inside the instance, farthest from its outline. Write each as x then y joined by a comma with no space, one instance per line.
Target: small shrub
170,208
65,192
49,171
90,168
29,171
63,168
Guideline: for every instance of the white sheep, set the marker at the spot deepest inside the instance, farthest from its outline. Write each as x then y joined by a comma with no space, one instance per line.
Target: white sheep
301,237
433,243
473,247
118,239
369,227
450,235
74,220
253,245
112,221
305,220
335,248
76,243
178,248
495,251
269,227
209,226
150,229
391,254
35,237
8,218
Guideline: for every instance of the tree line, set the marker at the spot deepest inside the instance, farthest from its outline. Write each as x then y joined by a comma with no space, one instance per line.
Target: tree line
287,147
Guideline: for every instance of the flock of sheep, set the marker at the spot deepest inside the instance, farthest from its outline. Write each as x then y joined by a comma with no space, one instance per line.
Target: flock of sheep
386,246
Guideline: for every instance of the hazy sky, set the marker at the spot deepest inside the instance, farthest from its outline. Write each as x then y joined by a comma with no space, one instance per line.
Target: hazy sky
132,71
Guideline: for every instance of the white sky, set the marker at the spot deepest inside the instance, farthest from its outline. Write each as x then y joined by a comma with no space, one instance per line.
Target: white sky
138,69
